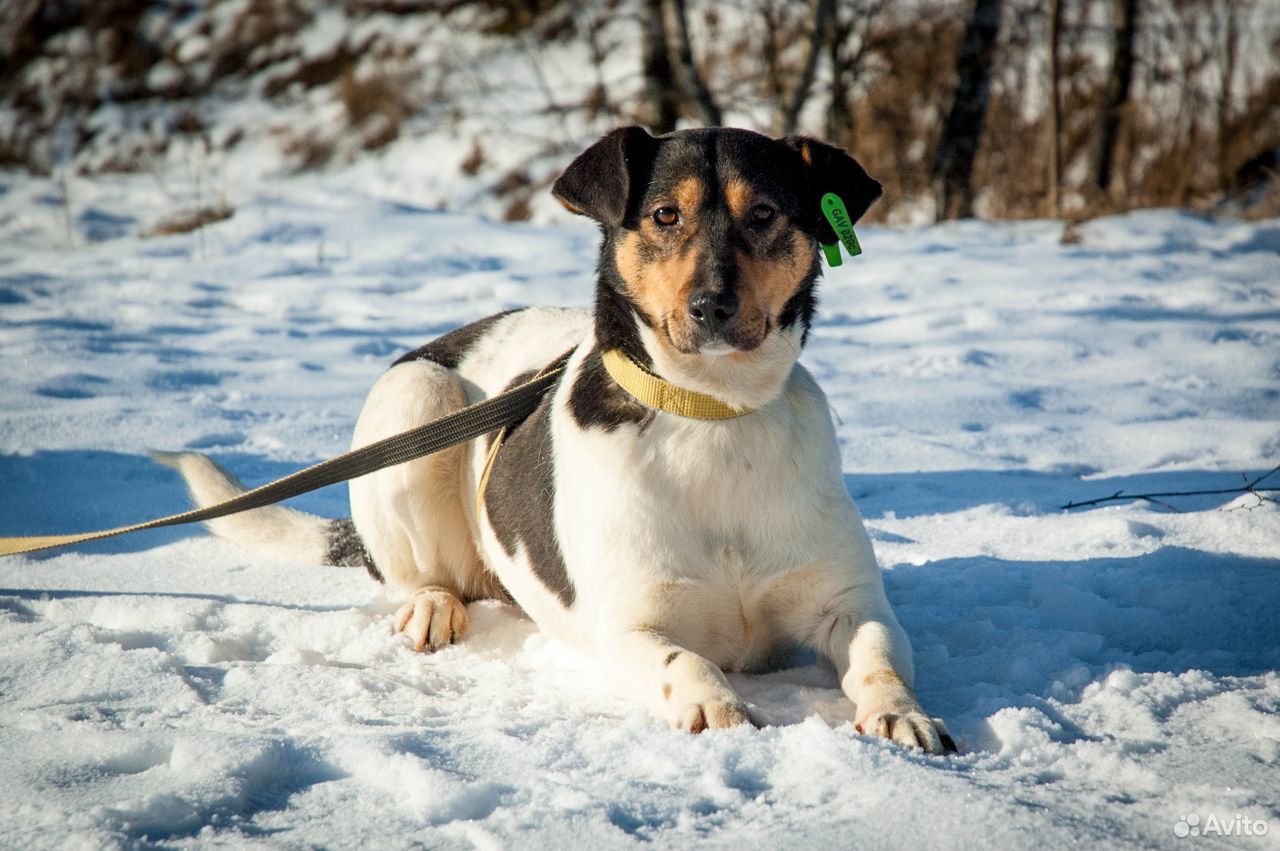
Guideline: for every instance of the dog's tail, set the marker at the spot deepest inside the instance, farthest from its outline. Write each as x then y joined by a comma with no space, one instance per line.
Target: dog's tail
274,530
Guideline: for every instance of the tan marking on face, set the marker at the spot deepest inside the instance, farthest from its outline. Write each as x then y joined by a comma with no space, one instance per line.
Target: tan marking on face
627,258
659,266
661,286
806,154
738,196
767,285
688,196
666,691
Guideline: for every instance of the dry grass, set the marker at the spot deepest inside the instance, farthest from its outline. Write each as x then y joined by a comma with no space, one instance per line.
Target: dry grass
895,117
376,105
474,161
518,211
190,219
307,151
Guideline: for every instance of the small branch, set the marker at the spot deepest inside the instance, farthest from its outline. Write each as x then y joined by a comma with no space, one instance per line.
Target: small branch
1160,502
1250,487
1261,500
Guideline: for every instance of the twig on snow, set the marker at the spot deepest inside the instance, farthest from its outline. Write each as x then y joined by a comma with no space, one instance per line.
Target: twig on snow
1250,487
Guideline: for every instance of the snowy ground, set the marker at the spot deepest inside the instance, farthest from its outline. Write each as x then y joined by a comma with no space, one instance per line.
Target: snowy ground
1107,672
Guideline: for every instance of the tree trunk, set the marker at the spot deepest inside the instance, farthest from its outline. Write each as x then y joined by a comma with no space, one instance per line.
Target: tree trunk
839,118
1119,84
847,63
660,103
1231,35
693,88
962,130
790,114
1055,109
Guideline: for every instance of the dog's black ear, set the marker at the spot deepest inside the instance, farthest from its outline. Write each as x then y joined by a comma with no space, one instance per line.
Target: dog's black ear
607,180
831,169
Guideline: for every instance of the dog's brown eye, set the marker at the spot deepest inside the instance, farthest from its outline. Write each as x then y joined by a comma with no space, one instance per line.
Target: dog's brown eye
666,216
762,214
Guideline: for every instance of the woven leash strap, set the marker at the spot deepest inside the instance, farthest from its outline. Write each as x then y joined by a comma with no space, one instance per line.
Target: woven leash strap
449,430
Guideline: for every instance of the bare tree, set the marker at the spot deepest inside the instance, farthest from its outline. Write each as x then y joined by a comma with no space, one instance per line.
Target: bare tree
848,49
962,130
774,41
789,117
1055,108
839,116
1230,25
698,98
1124,22
673,85
660,102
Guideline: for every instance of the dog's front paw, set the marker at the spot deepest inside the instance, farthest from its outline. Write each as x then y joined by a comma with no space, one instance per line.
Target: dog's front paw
913,729
432,618
713,714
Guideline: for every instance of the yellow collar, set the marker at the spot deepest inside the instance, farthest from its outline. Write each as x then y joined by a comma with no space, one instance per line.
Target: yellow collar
655,392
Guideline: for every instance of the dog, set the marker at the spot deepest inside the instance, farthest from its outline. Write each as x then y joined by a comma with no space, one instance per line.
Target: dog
671,544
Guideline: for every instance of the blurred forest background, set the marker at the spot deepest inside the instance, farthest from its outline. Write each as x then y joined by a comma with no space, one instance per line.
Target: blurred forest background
996,108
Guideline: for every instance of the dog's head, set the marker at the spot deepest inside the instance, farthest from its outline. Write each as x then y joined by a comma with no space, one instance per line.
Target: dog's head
711,236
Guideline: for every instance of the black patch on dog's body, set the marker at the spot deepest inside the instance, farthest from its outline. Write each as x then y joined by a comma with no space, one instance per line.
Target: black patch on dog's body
596,400
346,548
616,314
520,498
450,349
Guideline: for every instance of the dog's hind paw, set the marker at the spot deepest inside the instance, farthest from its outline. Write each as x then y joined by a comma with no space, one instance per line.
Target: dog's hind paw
432,618
712,714
913,729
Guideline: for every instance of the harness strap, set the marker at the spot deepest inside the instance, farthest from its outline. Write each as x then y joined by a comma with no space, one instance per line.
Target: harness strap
450,430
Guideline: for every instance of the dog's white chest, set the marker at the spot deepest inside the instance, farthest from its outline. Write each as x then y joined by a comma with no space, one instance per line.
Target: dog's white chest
695,528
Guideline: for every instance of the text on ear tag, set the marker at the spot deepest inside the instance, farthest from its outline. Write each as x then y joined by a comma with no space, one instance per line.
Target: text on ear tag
833,208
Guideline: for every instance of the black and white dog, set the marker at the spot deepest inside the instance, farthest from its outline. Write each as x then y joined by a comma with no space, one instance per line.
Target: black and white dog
672,545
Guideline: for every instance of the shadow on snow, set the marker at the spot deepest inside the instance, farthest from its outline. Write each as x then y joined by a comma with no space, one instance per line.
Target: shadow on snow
79,491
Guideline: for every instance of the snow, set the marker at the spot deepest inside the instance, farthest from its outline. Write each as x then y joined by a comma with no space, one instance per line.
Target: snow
1106,671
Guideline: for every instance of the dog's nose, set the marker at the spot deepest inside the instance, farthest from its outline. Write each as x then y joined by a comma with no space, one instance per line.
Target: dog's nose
713,310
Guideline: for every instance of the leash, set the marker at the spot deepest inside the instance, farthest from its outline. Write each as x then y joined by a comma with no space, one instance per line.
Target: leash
450,430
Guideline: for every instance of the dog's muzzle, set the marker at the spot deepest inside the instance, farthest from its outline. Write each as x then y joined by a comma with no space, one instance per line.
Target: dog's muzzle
712,313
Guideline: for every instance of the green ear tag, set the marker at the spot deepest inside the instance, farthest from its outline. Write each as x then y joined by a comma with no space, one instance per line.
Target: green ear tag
833,254
833,208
